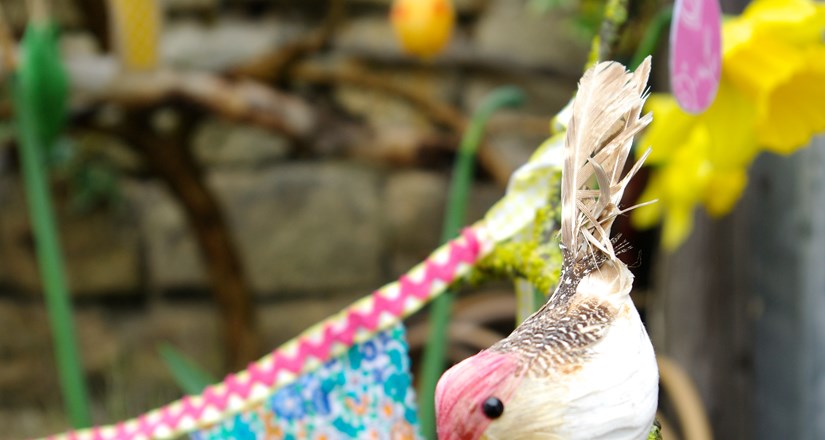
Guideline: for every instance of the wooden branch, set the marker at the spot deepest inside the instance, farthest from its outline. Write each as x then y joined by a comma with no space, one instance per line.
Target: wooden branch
173,162
243,100
250,101
7,44
95,17
283,63
271,67
441,112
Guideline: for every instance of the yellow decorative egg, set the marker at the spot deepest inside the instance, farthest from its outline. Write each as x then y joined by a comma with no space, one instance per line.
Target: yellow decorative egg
423,26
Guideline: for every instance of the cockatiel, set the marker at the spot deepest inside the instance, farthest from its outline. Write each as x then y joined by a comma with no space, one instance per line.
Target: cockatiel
581,367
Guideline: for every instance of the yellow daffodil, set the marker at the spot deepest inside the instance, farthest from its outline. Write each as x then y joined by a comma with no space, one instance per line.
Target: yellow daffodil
691,176
771,96
698,159
423,26
793,111
774,53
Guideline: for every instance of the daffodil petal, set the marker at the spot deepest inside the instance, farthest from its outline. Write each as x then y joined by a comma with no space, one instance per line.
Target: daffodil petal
665,137
724,190
648,216
761,64
794,111
793,21
677,226
730,121
685,177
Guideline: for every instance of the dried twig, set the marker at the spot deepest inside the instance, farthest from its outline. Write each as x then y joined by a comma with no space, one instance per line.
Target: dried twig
271,67
243,100
283,63
95,17
173,162
251,101
441,112
7,44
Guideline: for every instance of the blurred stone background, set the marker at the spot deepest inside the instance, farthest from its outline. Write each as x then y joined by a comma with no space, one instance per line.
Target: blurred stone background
319,220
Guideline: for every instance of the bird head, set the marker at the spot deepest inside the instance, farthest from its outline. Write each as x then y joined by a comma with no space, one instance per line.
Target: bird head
474,393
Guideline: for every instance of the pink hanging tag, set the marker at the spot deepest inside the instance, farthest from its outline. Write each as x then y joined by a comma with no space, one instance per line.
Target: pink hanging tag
695,53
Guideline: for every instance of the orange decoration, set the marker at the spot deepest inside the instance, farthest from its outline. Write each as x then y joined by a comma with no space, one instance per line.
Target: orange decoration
423,26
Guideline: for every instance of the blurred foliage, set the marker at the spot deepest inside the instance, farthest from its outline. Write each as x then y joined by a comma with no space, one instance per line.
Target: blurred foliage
7,132
190,377
586,15
655,432
40,91
44,86
92,179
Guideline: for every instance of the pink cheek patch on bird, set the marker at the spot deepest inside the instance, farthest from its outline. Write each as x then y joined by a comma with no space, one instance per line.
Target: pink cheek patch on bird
473,393
695,53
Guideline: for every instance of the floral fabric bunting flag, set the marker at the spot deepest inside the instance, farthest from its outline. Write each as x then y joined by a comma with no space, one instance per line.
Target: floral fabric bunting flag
364,394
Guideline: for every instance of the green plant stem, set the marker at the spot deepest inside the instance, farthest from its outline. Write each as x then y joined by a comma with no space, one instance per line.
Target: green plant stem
190,377
434,351
652,36
603,45
72,382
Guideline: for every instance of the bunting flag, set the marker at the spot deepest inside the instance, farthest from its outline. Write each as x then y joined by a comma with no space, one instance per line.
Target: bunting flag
366,393
317,345
260,397
136,28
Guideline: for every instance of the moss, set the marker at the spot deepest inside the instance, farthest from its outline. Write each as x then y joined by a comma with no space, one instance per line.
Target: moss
536,258
655,431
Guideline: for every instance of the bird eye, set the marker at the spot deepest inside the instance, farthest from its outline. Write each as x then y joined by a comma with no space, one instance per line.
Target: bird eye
492,407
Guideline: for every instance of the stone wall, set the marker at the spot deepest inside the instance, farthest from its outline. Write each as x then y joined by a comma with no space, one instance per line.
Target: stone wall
317,225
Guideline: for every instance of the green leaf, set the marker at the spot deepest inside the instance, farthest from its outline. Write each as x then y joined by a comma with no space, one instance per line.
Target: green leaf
39,93
190,377
42,81
457,199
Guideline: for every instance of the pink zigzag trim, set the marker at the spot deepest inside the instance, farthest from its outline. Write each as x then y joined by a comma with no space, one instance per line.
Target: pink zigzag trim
320,344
